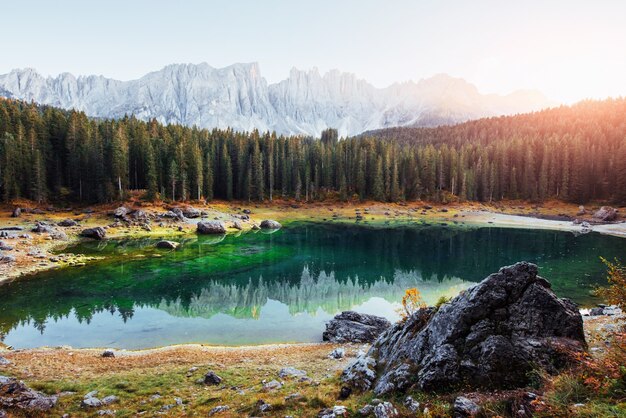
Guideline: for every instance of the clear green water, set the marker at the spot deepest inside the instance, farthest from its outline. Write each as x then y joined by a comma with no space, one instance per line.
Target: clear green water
265,288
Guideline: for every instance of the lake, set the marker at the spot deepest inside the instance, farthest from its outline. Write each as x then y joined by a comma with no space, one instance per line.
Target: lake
257,288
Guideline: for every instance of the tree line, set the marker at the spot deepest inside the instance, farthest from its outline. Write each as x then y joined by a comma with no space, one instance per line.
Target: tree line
575,153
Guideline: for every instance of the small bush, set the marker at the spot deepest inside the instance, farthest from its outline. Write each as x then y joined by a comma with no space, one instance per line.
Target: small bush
616,292
411,302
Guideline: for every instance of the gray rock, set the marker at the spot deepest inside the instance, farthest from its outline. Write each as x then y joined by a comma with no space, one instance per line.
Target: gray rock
67,223
191,212
490,336
606,214
385,410
41,228
15,394
97,233
350,326
170,245
3,414
272,385
5,247
596,311
411,404
464,407
291,372
270,224
17,212
237,225
337,353
218,409
121,212
103,412
211,227
91,402
6,259
212,379
263,406
110,399
108,353
366,410
4,362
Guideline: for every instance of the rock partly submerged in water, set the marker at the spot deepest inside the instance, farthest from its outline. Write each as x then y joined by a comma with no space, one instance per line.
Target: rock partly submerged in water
270,224
492,335
211,227
98,233
168,245
353,327
14,394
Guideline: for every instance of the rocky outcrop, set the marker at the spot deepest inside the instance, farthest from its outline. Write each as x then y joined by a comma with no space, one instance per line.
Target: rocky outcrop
490,336
353,327
14,394
211,227
97,233
270,224
606,214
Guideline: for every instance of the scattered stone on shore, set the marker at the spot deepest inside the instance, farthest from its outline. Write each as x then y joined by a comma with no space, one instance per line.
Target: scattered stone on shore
600,310
14,394
411,404
385,410
237,225
350,326
98,233
262,406
606,214
6,259
212,379
121,212
272,385
5,247
108,354
270,224
211,227
581,211
218,409
4,362
170,245
337,353
291,372
41,228
17,212
490,336
334,412
464,407
68,223
191,212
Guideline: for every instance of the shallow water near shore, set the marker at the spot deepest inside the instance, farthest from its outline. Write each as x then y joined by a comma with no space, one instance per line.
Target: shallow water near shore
256,288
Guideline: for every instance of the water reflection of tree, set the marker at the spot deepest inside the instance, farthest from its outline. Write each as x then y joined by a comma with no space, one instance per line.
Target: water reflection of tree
309,294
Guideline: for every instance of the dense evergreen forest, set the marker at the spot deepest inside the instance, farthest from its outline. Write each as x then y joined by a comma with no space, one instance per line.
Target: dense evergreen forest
573,153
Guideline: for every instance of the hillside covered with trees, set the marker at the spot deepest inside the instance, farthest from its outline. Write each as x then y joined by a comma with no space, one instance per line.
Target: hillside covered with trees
573,153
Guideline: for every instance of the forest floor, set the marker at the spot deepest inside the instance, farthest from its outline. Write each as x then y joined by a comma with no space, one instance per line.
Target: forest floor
40,251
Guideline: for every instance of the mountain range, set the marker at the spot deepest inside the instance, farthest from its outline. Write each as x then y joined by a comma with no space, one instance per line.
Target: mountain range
237,96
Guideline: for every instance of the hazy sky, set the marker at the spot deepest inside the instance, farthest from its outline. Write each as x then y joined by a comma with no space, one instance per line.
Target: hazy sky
567,49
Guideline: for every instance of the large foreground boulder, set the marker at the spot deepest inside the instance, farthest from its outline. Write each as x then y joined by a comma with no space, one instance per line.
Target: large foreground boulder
14,394
211,227
606,214
353,327
493,335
